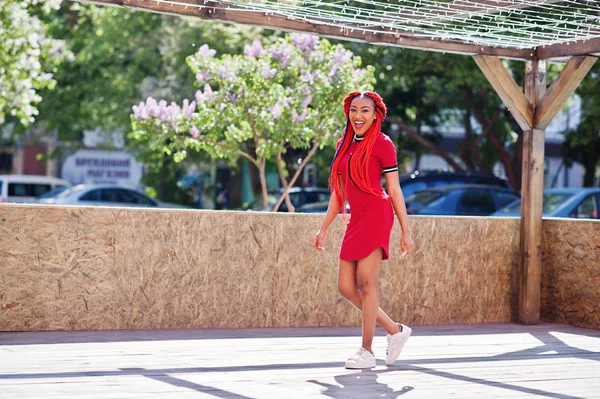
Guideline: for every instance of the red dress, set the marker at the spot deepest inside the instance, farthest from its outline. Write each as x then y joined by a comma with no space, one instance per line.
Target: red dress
371,218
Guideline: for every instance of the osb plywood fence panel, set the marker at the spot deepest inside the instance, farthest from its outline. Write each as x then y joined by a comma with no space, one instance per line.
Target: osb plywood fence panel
571,272
67,268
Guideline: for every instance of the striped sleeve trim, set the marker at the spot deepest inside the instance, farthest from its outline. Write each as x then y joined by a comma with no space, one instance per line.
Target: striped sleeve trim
390,169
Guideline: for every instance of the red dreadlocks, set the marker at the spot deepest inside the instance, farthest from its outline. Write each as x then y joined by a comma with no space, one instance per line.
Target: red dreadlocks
359,162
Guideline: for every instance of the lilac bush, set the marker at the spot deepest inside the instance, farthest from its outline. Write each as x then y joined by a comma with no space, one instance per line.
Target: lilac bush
25,51
277,96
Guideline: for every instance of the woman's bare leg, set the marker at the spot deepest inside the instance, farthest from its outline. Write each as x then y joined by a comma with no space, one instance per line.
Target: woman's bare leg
366,279
347,286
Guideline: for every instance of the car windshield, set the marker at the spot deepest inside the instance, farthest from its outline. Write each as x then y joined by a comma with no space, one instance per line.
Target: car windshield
551,202
53,193
424,198
70,191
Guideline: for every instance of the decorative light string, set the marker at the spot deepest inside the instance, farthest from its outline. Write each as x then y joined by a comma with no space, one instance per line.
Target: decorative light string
519,24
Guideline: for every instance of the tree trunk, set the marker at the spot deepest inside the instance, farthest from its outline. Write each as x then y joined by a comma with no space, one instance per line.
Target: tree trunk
429,145
163,178
589,174
466,146
284,184
514,177
263,183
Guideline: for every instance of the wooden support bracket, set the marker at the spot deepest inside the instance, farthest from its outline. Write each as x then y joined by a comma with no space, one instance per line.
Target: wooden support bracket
508,90
561,89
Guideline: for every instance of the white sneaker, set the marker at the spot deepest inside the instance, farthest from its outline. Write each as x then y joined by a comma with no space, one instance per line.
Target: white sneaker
363,359
396,343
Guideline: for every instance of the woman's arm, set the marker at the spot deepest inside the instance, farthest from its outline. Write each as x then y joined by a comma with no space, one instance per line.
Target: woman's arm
395,193
332,211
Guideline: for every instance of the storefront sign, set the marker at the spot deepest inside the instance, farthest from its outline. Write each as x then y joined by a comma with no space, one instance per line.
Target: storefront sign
102,167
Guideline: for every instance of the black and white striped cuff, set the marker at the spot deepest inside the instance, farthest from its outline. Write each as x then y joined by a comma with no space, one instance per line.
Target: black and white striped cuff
390,169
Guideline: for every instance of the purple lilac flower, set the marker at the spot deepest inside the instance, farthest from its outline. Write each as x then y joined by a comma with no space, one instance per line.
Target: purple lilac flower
173,110
202,76
188,108
206,52
254,50
161,112
140,112
308,77
195,132
276,110
341,56
306,102
281,54
232,97
225,71
305,43
269,73
206,96
298,118
151,106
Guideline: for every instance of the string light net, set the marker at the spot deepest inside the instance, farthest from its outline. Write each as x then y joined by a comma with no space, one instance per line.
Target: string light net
517,24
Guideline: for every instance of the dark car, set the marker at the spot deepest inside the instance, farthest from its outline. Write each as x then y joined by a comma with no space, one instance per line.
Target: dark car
417,181
468,200
299,196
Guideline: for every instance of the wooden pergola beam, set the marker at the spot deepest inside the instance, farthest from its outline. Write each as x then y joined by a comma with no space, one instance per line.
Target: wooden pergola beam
561,50
406,39
507,89
561,89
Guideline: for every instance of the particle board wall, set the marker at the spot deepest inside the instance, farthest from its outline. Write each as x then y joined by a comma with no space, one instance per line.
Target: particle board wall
571,272
67,268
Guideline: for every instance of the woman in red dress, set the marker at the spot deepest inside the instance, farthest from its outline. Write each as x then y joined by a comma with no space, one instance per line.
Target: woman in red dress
363,155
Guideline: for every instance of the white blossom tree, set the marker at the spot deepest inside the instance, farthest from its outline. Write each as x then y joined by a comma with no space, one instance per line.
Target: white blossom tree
27,56
287,95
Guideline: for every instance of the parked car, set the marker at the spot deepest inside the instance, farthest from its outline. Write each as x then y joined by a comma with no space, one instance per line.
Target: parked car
25,188
417,181
581,203
105,195
299,196
317,207
468,199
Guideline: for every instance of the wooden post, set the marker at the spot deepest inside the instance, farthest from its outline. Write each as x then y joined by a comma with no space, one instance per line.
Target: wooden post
532,188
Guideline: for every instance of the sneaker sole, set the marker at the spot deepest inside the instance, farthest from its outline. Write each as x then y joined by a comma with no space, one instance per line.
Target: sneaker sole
360,368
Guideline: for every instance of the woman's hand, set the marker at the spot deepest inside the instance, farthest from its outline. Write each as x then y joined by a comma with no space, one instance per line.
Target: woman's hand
406,244
318,240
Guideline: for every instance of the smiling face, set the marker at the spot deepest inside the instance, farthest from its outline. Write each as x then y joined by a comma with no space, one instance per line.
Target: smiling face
362,114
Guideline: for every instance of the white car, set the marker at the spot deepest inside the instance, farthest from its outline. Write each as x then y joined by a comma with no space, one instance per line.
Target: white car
25,188
105,195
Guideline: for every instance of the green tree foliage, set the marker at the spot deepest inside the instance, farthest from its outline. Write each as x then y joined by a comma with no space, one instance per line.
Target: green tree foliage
121,56
427,91
259,105
582,145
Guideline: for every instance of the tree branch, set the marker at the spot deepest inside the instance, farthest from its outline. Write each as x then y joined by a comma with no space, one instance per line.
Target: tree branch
284,184
297,174
428,144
